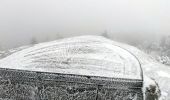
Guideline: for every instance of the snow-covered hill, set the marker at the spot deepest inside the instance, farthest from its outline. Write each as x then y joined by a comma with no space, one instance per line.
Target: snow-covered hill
151,68
94,56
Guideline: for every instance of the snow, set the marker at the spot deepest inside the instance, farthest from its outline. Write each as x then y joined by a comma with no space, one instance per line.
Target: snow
148,81
163,74
93,56
151,68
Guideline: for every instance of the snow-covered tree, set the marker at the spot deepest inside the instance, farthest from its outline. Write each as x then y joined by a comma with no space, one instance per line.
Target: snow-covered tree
33,41
105,34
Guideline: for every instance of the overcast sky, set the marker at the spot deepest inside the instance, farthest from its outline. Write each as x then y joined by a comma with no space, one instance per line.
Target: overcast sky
21,20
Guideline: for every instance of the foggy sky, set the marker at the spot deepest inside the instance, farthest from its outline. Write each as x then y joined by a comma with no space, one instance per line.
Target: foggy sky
21,20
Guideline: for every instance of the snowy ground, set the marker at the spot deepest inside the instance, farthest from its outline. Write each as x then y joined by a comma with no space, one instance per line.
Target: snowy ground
154,70
151,68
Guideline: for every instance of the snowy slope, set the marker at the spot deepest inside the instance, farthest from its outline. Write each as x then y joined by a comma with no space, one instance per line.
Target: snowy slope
151,68
6,53
94,56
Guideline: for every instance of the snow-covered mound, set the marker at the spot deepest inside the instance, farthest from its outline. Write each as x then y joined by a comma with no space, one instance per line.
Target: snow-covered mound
151,68
86,55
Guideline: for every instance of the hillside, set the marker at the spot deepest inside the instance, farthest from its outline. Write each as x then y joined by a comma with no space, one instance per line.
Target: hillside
151,68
